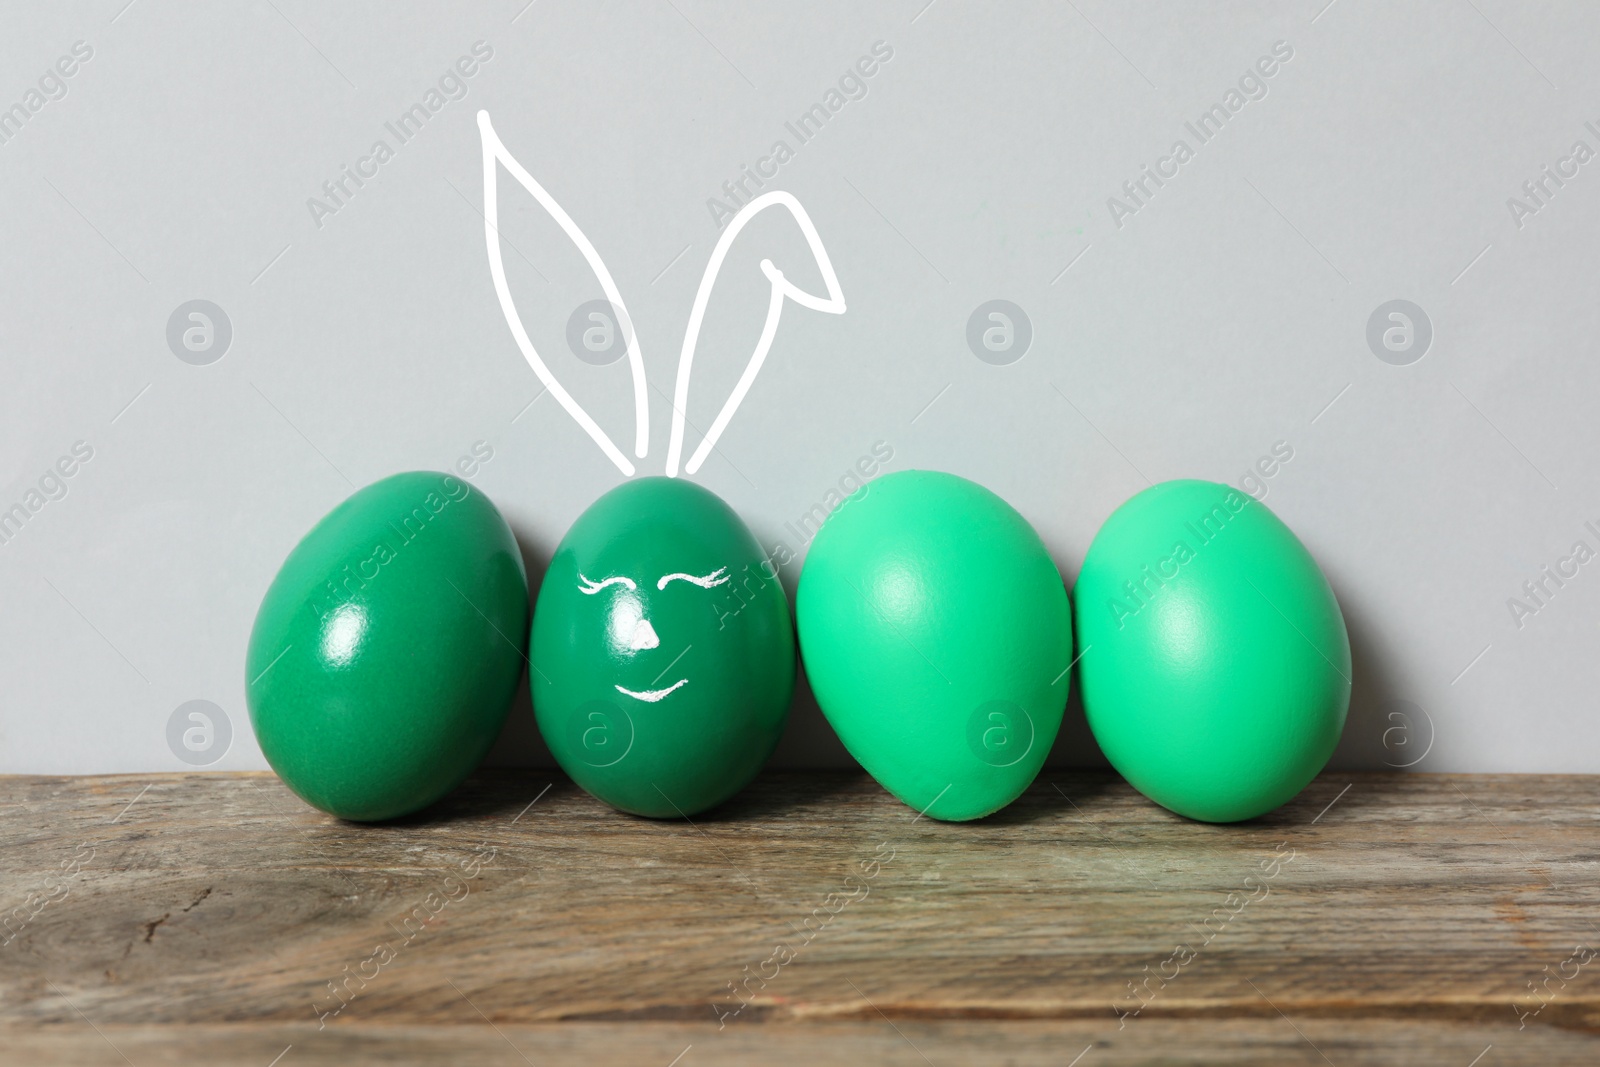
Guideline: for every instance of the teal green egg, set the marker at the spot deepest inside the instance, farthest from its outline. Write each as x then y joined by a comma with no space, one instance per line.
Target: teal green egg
662,651
387,650
1216,666
937,637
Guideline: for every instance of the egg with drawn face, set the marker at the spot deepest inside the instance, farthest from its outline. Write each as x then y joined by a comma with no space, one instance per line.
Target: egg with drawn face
662,650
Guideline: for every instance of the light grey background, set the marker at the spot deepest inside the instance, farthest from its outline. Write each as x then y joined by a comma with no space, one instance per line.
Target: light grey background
1229,313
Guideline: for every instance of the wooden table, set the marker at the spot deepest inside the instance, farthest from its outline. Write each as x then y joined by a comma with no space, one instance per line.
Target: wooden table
214,918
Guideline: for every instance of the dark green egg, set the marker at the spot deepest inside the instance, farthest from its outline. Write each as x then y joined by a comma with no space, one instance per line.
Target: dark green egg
662,652
387,650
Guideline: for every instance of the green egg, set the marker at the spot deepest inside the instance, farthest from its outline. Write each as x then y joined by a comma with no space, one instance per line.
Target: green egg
1216,668
937,637
662,652
387,649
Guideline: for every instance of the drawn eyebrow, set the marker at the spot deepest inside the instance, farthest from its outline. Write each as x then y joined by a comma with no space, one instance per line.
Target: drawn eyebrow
591,587
705,581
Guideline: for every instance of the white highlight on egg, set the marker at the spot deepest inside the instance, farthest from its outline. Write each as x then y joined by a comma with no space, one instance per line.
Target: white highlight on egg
623,618
343,634
644,637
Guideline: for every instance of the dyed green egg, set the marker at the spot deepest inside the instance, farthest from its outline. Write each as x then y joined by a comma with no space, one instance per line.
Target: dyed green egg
387,650
662,652
937,637
1216,668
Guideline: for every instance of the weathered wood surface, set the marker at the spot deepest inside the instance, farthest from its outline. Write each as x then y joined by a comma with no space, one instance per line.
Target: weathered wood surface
1408,919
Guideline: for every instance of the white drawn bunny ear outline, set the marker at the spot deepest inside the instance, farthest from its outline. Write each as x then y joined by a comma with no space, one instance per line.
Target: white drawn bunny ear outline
494,150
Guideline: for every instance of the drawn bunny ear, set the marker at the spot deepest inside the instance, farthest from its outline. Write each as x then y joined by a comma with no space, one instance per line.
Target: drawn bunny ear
782,288
495,151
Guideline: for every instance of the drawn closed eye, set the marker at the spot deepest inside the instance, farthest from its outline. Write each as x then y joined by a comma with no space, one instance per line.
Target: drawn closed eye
590,587
704,581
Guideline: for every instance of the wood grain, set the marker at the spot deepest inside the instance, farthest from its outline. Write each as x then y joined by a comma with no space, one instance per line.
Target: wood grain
202,918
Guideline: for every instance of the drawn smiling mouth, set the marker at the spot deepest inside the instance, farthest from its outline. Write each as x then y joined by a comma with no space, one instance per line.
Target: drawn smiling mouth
652,695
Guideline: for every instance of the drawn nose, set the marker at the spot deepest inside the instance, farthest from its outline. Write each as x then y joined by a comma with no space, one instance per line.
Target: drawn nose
644,636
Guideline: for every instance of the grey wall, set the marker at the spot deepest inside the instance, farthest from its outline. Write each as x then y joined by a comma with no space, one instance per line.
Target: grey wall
1185,333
